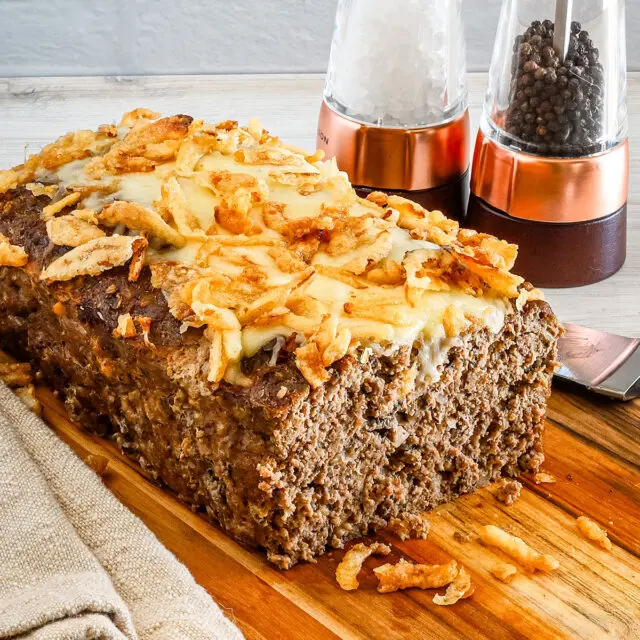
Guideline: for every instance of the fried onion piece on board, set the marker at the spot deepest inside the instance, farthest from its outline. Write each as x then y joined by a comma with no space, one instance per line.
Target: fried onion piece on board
517,549
405,575
348,569
504,571
591,531
459,589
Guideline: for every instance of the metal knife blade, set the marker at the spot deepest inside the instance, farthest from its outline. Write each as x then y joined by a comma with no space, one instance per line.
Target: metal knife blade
601,362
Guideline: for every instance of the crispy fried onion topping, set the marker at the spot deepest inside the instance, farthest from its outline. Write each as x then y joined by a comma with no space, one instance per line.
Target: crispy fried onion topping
11,255
125,327
148,143
246,233
8,180
94,257
75,228
175,204
56,207
137,217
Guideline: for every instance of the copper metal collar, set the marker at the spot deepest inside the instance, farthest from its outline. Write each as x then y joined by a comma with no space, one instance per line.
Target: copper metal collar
550,189
395,158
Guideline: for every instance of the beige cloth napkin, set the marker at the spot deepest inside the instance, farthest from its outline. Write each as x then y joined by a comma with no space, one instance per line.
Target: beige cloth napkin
74,562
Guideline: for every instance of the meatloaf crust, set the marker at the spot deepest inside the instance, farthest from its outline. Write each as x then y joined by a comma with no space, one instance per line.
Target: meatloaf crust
283,462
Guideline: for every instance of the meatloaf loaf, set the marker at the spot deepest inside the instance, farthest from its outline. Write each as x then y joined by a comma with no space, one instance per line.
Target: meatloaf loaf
299,363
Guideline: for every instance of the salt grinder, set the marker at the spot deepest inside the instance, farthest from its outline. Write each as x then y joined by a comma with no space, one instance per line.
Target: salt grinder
551,162
394,112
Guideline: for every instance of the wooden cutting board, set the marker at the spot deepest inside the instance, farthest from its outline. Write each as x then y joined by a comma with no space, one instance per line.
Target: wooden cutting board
593,451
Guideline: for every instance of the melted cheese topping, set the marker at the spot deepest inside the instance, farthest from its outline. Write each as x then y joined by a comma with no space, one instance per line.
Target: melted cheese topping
421,321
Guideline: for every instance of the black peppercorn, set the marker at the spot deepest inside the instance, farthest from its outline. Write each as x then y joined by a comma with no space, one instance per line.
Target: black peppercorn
553,126
556,106
540,73
547,53
525,49
525,80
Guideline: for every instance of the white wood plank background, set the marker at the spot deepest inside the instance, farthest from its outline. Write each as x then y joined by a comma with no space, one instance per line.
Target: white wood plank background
33,111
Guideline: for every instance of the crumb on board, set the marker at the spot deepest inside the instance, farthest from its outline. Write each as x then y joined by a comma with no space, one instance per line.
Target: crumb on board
19,378
461,537
97,463
412,527
543,478
508,491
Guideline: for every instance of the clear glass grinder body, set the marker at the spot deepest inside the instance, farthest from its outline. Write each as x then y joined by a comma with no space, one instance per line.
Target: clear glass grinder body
539,102
398,64
394,110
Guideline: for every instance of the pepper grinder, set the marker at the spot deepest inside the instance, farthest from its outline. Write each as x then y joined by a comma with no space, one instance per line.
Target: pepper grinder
551,163
394,112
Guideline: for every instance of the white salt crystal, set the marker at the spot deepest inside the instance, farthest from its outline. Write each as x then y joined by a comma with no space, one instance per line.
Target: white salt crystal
398,63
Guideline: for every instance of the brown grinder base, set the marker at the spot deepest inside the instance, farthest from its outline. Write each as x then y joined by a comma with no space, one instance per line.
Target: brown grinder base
557,255
450,198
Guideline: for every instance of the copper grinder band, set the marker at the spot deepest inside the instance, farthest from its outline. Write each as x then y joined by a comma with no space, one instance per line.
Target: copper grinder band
395,158
546,189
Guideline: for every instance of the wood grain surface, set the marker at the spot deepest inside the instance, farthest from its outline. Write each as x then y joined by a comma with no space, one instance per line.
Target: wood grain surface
36,110
592,449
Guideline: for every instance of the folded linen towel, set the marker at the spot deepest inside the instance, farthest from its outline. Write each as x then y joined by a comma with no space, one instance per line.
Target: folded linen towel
74,562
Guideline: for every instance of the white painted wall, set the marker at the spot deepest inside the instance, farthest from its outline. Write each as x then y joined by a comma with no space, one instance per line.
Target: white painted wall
83,37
